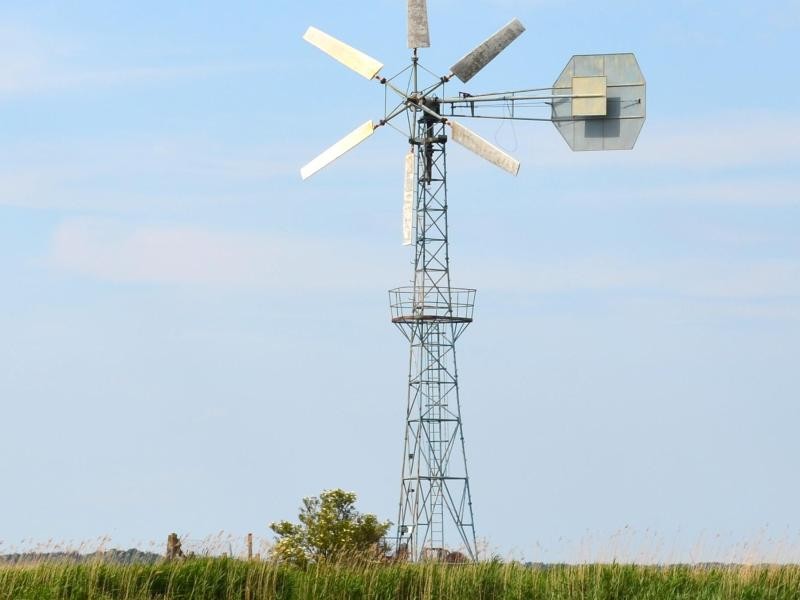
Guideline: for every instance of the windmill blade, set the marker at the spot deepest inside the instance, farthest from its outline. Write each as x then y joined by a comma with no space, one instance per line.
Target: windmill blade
408,197
348,142
418,36
466,68
364,65
475,143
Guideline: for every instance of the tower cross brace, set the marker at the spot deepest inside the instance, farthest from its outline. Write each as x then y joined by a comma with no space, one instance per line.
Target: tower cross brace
596,103
435,501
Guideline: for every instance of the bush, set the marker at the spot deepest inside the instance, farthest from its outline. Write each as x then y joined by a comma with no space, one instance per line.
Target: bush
330,527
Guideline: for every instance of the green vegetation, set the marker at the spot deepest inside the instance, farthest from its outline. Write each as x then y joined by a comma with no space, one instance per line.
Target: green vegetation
334,552
330,527
229,579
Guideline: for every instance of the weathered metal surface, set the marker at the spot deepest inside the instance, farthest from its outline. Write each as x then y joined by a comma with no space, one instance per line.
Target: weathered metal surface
361,63
475,143
625,103
408,198
466,68
589,96
348,142
418,36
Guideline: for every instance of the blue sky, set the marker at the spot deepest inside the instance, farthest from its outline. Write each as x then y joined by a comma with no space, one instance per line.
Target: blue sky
192,339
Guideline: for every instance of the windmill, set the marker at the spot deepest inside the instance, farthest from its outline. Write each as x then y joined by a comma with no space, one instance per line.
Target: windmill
596,103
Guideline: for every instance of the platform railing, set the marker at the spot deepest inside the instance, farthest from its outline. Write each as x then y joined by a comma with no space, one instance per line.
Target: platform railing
453,305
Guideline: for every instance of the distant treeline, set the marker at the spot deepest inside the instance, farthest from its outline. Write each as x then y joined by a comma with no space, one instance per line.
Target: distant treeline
113,556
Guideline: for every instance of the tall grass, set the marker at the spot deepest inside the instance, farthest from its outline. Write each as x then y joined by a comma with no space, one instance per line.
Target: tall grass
232,579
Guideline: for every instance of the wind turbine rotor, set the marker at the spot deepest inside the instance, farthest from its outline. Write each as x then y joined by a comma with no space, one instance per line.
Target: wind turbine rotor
347,143
466,68
361,63
475,143
597,103
418,36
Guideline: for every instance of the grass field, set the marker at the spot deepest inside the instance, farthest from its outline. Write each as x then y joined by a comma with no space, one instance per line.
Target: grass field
225,578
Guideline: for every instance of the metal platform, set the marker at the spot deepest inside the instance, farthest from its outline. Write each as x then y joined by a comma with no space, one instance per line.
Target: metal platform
437,305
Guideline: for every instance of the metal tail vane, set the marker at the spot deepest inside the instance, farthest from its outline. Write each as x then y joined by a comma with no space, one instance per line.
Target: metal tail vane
596,103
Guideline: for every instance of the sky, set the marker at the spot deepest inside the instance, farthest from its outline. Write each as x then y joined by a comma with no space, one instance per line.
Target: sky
192,339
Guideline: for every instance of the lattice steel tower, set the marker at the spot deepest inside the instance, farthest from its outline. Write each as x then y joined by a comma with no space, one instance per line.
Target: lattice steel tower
434,489
597,103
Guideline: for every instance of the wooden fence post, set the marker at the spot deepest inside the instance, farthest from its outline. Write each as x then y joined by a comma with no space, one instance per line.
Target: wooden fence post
173,547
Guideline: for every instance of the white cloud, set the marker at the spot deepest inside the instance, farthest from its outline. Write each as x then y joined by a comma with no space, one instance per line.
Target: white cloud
755,191
118,175
782,17
747,158
32,63
724,141
761,191
181,255
745,280
111,251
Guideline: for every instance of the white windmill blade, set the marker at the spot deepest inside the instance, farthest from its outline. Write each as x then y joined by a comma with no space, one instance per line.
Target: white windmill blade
361,63
347,143
466,68
418,36
472,141
408,197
